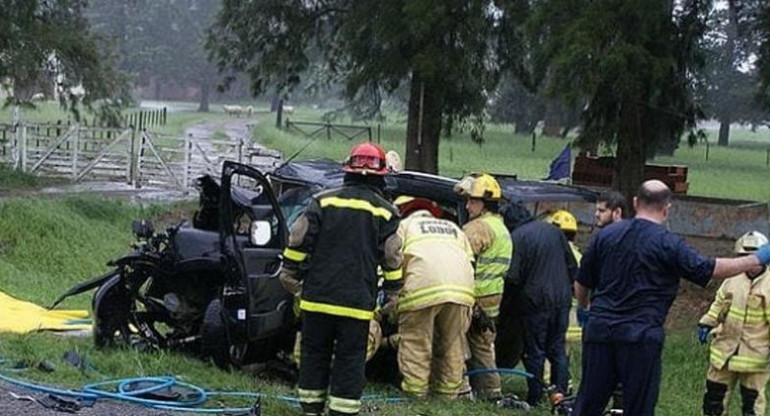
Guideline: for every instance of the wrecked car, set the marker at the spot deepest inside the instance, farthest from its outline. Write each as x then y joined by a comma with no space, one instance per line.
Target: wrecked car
210,286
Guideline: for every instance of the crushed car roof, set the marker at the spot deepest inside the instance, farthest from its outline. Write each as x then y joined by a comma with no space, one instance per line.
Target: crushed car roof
327,173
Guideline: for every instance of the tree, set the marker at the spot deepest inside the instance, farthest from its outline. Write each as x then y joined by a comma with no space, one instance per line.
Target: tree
730,84
164,39
44,43
632,60
448,52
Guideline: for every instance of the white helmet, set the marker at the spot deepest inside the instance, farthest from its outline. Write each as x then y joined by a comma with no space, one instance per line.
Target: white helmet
750,242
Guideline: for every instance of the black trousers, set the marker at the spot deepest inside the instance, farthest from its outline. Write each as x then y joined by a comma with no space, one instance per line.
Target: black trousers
636,365
333,358
545,339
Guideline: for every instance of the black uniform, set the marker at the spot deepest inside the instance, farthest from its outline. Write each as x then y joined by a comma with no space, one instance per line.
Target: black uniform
538,290
334,248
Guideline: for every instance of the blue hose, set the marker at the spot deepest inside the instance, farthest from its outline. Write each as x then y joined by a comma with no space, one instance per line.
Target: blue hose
93,392
512,371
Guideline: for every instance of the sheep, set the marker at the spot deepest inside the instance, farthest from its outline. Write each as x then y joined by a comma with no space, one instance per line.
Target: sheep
288,109
233,110
38,97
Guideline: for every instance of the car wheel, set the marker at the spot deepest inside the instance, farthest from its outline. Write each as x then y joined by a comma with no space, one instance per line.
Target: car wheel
111,309
214,340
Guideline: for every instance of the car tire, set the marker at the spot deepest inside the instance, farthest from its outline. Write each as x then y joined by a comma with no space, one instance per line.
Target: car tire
111,310
214,340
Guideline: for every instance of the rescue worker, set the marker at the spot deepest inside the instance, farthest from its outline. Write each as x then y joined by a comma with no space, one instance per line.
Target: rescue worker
633,268
434,306
611,207
740,348
492,248
542,271
334,248
568,225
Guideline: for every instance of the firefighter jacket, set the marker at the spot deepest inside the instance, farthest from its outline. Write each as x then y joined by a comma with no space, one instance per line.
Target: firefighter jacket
335,247
740,316
437,263
492,246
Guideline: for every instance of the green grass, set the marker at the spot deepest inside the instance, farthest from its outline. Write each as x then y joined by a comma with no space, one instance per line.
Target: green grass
16,180
739,171
46,245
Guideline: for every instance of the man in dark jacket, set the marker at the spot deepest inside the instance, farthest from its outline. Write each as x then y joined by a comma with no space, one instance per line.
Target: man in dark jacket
538,287
334,249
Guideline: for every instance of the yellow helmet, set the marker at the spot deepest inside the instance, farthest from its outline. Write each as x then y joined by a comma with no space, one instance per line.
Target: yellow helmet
481,186
564,220
750,242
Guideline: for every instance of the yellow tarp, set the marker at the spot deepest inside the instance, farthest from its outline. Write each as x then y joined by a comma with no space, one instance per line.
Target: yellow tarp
21,317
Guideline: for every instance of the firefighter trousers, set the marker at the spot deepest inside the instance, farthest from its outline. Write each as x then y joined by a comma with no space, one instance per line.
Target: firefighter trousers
333,359
431,353
720,384
481,345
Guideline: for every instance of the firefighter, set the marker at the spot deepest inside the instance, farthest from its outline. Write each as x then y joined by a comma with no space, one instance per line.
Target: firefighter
740,328
568,225
493,249
434,307
334,249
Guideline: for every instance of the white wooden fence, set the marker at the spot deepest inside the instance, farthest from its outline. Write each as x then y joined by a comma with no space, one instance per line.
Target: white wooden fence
83,153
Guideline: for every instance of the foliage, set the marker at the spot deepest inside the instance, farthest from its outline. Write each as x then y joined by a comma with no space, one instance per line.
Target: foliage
449,52
161,38
730,81
48,44
632,61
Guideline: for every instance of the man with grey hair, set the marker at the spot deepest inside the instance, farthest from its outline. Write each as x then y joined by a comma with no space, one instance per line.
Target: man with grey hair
632,269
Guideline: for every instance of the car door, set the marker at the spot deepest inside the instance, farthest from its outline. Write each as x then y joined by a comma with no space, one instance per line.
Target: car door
252,237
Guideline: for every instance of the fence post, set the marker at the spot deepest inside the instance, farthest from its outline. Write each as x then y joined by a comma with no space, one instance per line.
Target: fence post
164,115
186,167
767,157
75,152
328,131
534,137
707,150
24,148
240,150
132,159
379,125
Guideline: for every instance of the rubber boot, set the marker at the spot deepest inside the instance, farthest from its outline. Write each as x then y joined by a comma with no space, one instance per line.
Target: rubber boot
749,399
312,409
713,399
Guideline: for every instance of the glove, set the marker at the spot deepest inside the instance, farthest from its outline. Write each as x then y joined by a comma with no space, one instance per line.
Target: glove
480,322
582,317
703,334
763,254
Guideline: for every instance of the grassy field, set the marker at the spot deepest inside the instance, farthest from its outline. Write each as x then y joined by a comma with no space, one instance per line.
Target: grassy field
46,245
739,171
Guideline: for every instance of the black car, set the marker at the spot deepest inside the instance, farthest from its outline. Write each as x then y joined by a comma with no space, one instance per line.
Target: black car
210,286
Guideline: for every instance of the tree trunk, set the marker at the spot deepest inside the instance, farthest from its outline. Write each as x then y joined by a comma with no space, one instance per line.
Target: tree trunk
203,107
423,130
724,131
630,158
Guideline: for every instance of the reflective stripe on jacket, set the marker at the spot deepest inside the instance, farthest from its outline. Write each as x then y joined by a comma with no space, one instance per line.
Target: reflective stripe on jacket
493,249
437,263
740,315
335,247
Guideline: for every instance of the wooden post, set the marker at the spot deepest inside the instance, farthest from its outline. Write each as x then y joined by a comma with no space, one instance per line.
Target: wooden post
187,160
767,157
328,131
141,120
132,159
279,114
240,150
164,115
75,152
379,126
23,148
534,137
707,150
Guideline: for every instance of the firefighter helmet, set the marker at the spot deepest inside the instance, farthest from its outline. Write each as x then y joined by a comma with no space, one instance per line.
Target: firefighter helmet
564,220
366,159
480,186
750,242
408,204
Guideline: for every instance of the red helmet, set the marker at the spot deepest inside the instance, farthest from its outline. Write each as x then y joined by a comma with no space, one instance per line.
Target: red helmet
366,158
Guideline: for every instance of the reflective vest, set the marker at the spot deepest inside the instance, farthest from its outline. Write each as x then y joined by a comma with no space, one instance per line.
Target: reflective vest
740,316
493,263
437,265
